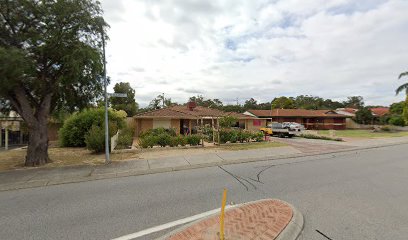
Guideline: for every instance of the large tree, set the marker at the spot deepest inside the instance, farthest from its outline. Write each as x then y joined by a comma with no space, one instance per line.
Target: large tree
127,104
50,58
400,89
354,102
283,102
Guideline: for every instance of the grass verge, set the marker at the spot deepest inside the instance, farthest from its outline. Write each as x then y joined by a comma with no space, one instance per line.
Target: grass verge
363,134
248,146
61,157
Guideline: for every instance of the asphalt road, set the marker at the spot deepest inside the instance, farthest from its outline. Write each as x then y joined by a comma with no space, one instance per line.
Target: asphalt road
353,195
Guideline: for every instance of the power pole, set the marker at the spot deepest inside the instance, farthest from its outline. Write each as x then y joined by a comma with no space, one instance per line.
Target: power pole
107,159
163,100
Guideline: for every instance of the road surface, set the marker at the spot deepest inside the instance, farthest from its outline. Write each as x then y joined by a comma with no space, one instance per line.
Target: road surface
351,195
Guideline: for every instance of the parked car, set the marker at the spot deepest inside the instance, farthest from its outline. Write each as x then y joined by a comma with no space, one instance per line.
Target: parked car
280,130
293,126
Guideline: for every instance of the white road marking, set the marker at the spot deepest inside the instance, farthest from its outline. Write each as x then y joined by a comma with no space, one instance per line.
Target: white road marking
170,224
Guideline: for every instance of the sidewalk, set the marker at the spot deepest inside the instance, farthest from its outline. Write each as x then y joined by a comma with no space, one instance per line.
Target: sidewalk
37,177
264,219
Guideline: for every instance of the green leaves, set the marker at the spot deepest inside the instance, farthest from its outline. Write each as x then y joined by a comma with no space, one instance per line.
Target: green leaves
52,47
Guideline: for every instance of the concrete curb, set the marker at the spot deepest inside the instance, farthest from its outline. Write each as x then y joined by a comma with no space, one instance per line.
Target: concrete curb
294,228
290,232
48,182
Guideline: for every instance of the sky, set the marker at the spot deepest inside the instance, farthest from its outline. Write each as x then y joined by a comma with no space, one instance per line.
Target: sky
237,49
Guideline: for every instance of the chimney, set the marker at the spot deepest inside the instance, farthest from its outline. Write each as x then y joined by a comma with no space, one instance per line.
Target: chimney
191,105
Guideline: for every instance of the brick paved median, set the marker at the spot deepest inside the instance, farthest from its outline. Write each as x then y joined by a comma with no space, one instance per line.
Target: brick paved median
261,220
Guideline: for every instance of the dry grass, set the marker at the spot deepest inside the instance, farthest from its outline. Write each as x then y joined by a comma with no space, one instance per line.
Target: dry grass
255,145
364,134
14,159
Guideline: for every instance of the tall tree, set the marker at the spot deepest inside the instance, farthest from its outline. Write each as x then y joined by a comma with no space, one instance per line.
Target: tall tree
251,104
400,89
354,102
159,102
50,56
283,102
364,116
128,104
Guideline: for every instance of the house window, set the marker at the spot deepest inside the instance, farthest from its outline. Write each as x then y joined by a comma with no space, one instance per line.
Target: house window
256,122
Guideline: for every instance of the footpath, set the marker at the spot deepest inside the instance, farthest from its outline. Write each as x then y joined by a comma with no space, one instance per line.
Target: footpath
298,147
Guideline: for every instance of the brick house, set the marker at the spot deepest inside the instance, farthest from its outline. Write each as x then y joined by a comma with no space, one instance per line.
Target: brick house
185,119
311,119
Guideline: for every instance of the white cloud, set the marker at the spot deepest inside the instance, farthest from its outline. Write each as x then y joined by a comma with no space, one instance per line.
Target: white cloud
240,49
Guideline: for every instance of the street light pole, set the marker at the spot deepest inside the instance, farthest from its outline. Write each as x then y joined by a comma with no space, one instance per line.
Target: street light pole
107,159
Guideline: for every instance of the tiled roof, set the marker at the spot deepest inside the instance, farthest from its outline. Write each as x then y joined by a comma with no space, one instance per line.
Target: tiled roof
381,111
183,112
295,113
349,110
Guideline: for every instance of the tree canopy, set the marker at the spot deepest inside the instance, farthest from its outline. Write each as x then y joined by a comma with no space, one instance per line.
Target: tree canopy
50,58
128,104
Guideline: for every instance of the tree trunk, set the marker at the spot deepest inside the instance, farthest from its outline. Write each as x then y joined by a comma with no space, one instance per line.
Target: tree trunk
37,151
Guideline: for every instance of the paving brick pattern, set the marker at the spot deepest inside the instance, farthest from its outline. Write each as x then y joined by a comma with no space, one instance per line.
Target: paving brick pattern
261,220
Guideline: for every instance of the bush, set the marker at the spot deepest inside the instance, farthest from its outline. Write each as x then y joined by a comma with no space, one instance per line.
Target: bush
208,133
228,121
386,129
193,140
312,136
244,136
148,141
225,136
163,139
72,133
158,131
397,121
125,138
95,139
258,136
177,140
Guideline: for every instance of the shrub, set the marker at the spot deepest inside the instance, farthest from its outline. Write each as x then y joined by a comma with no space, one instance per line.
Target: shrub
181,140
244,136
193,140
312,136
173,142
228,121
258,136
386,129
148,141
208,133
95,139
163,139
158,131
225,136
125,138
397,121
233,136
72,133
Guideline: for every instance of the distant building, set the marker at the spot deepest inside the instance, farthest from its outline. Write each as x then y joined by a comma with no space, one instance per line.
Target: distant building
186,119
311,119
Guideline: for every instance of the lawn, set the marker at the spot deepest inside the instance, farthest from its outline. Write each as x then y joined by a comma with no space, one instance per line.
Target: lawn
248,146
363,134
60,157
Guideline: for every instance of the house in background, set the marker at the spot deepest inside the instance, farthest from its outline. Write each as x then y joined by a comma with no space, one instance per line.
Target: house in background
186,119
311,119
377,112
380,111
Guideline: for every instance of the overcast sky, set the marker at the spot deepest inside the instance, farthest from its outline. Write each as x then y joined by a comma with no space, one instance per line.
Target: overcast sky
237,49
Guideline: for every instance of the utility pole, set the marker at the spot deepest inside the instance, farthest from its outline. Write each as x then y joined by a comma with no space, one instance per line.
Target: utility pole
163,100
107,159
